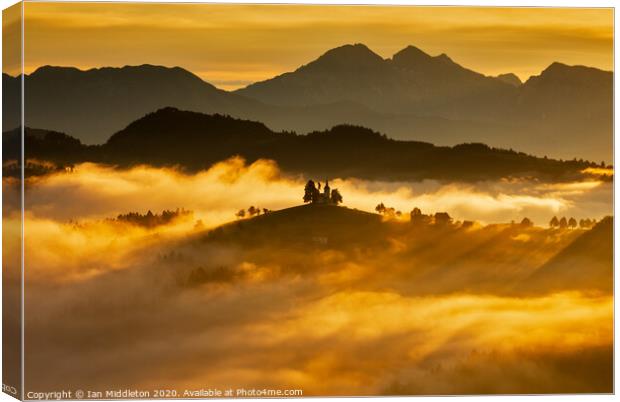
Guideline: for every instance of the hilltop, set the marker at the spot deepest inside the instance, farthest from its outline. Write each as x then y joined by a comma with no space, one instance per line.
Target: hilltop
512,258
586,263
311,224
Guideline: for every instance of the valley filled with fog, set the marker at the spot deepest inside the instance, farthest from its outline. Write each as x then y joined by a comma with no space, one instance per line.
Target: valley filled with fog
333,300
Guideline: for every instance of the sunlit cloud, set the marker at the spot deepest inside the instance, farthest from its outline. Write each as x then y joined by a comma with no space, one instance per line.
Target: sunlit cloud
216,194
280,38
409,313
412,310
604,172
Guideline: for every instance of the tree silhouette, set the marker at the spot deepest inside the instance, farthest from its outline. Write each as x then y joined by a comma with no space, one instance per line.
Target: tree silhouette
526,222
240,214
150,219
336,197
442,218
311,194
380,208
572,223
563,223
554,223
417,217
252,210
585,223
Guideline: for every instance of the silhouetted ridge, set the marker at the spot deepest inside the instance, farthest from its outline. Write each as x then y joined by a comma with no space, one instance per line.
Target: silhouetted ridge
562,92
445,58
194,141
91,104
348,132
409,96
411,56
411,82
562,74
345,58
510,78
170,120
189,138
557,67
105,73
54,71
40,148
303,225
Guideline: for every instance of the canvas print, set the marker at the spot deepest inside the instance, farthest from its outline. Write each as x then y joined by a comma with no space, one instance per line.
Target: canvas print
230,200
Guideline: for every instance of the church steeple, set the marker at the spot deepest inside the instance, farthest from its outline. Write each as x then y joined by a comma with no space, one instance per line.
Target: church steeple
313,193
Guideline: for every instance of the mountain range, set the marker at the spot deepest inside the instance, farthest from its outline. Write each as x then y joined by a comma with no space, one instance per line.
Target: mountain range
566,111
195,141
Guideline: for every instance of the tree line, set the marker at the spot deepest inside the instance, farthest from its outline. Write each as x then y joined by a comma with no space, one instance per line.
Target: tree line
150,219
251,212
417,217
571,223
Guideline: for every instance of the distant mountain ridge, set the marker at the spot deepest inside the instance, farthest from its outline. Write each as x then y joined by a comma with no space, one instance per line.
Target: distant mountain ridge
411,79
557,109
195,141
565,112
90,104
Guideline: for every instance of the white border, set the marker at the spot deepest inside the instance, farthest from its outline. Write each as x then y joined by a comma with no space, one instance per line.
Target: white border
476,3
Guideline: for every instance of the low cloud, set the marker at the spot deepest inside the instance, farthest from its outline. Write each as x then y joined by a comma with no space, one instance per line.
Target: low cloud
95,191
409,310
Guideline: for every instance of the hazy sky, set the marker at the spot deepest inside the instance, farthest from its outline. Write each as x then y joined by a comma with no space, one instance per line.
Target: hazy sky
233,45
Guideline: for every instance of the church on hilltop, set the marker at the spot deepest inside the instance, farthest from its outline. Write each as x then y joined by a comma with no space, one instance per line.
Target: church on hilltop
314,195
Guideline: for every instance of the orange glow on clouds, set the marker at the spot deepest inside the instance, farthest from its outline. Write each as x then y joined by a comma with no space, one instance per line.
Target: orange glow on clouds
233,45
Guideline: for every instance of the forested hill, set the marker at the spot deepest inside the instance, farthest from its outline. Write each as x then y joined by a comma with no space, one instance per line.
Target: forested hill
195,141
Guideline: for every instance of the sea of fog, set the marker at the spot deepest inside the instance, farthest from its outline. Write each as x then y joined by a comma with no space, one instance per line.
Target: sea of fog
110,304
95,192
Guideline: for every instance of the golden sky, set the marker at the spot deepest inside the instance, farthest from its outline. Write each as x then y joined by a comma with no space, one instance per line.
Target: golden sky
233,45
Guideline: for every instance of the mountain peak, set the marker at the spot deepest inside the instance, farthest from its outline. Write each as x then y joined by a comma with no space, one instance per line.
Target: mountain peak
412,50
128,68
510,78
560,72
344,57
559,68
47,69
444,58
410,56
413,57
356,49
555,66
148,74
